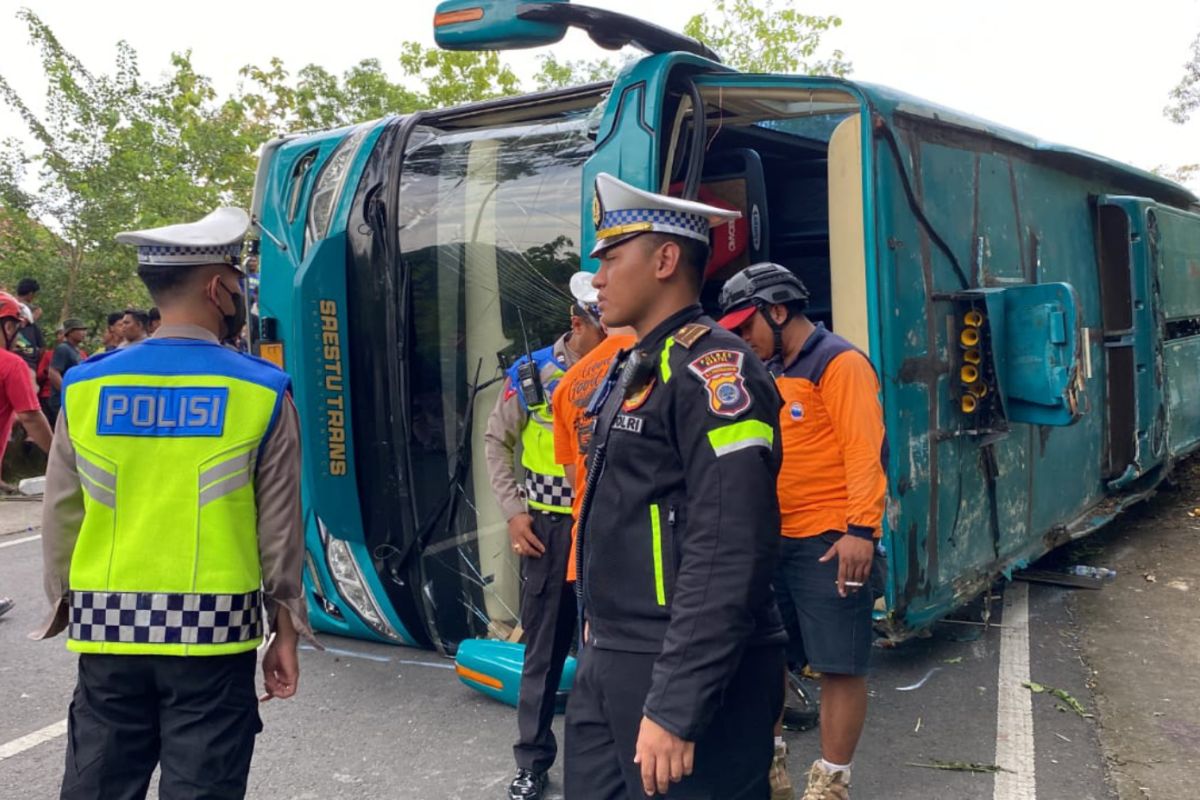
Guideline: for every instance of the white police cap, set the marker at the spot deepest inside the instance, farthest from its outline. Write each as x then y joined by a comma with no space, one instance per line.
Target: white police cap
216,239
621,211
587,297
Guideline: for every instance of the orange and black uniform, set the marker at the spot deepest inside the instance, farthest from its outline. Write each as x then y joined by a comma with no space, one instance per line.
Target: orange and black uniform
833,482
572,425
833,476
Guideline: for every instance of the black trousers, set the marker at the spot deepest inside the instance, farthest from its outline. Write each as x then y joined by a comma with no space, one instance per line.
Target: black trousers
548,614
197,716
733,756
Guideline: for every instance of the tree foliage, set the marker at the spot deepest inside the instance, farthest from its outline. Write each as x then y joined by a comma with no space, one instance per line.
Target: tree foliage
116,150
1185,98
113,150
757,36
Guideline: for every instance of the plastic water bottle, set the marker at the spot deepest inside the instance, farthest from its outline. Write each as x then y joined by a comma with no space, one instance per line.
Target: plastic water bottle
1099,573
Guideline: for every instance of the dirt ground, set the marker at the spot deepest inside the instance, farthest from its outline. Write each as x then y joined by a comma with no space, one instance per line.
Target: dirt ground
1139,637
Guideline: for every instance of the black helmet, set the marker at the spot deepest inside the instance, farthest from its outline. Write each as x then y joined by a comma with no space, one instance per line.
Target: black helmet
763,284
756,288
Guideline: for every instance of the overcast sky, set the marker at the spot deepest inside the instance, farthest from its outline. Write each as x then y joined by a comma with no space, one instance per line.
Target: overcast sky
1092,74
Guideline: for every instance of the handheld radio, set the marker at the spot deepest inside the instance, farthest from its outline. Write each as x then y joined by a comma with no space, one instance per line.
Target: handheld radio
528,375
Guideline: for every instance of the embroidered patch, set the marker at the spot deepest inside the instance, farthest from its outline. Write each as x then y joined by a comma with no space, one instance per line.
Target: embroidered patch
628,422
721,373
796,411
638,398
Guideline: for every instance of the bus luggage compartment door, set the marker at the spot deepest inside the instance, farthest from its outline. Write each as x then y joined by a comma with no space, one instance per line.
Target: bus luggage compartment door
1135,440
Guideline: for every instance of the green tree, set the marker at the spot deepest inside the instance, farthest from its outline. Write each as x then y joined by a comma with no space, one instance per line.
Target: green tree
556,74
114,151
756,36
1185,98
317,98
749,36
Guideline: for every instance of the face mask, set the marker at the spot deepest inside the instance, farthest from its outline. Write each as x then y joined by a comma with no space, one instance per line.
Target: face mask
234,322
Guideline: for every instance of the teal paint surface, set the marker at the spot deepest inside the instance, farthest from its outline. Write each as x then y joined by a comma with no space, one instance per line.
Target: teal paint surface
1182,361
1013,212
1179,264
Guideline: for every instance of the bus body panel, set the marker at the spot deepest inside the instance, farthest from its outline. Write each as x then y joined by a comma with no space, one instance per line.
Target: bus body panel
303,289
954,214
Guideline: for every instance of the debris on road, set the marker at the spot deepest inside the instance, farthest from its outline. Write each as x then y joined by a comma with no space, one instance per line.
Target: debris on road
1071,703
920,683
1084,570
1180,585
959,766
31,487
1067,579
955,660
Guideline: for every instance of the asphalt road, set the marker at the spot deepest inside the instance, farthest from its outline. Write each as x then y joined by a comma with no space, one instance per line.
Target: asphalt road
376,721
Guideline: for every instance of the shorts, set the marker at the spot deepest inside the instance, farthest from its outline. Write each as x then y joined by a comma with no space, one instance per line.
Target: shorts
827,632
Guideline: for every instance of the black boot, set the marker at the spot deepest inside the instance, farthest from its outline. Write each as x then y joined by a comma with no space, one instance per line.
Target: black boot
528,785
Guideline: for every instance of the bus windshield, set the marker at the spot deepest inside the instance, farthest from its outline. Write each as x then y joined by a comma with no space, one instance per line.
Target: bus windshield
489,234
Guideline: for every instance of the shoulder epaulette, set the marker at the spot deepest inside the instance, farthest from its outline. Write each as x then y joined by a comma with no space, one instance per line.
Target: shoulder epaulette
691,333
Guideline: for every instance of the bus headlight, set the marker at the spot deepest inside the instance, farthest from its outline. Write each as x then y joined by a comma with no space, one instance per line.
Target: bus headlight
328,187
353,588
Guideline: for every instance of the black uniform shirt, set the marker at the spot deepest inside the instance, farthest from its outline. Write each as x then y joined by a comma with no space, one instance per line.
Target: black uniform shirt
679,535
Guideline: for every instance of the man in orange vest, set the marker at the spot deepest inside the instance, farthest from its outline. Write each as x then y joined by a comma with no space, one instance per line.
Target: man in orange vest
832,490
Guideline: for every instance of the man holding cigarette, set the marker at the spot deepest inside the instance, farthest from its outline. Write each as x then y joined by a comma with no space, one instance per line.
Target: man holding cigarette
832,491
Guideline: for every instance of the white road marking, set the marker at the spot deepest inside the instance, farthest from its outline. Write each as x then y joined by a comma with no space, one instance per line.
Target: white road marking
1014,706
32,740
22,540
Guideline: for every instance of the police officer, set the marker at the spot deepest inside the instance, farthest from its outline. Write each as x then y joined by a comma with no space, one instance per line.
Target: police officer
538,511
678,686
832,492
172,534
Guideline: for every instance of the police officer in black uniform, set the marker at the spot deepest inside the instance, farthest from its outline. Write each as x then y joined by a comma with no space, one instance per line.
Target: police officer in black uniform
677,688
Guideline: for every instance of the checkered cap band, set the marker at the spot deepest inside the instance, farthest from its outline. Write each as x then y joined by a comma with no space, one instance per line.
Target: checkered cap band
165,618
548,490
664,220
167,254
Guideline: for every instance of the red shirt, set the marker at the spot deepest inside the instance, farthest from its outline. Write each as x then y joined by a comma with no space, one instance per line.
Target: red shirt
16,393
43,374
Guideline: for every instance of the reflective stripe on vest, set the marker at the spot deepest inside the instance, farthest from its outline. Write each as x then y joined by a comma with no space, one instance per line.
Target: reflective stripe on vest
546,487
167,562
162,618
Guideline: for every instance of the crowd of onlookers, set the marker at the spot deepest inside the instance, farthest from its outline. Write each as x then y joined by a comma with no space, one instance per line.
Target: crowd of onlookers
47,362
50,360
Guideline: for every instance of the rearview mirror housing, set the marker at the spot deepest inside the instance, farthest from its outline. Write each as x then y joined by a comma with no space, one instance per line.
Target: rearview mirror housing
492,25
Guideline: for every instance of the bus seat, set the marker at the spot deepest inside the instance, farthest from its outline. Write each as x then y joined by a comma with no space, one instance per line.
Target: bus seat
736,177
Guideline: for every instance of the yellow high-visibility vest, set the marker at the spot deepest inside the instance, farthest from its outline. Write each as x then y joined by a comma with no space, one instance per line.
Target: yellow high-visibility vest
166,438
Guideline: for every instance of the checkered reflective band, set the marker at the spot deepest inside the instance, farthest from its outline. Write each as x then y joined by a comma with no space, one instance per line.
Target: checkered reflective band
189,254
162,618
664,220
548,490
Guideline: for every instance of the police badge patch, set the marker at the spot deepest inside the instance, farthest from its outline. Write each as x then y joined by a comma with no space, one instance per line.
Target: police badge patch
721,373
638,399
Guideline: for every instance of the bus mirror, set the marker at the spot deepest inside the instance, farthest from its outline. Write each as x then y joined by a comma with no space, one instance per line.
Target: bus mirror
492,25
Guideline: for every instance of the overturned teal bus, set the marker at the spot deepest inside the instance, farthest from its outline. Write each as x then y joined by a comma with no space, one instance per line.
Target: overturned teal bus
1033,310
